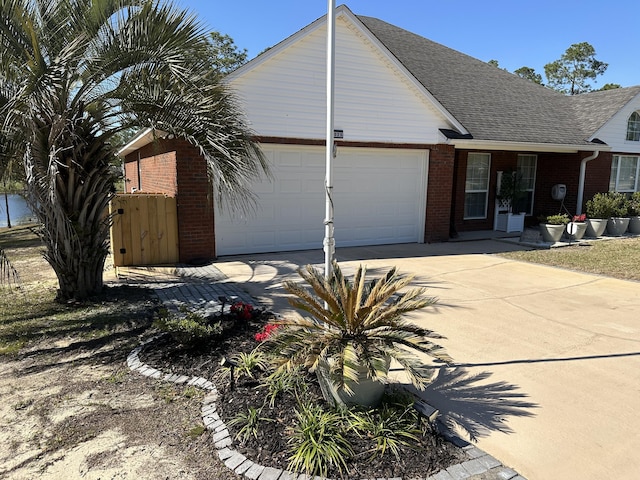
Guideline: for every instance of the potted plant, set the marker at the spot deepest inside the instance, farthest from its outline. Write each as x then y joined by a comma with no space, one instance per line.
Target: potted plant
618,221
552,227
510,196
598,212
576,228
634,213
354,330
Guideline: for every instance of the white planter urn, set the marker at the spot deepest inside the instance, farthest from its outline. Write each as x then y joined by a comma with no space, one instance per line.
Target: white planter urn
551,233
617,226
575,231
595,227
634,225
366,392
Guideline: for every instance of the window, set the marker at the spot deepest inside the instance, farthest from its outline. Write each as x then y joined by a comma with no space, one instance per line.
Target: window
633,127
624,174
526,170
476,189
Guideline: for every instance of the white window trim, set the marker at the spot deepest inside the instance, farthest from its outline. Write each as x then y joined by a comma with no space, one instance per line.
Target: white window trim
616,162
486,191
535,176
626,135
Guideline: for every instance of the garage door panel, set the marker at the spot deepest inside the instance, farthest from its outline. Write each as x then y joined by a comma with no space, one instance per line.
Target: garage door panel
378,198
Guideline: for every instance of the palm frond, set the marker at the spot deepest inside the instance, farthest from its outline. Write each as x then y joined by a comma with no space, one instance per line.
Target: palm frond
356,327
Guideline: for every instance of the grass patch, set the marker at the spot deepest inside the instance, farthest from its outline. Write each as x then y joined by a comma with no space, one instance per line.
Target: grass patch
29,312
618,258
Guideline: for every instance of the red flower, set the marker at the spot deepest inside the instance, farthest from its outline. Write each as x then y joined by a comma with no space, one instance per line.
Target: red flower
266,332
242,311
579,218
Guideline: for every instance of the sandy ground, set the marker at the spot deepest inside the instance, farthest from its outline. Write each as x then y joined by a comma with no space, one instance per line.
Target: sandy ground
73,418
71,409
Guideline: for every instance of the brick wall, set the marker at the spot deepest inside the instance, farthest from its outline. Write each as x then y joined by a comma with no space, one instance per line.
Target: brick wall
157,165
175,168
440,184
195,206
552,168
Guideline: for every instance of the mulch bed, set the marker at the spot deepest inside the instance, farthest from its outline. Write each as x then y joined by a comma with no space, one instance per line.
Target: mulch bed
270,447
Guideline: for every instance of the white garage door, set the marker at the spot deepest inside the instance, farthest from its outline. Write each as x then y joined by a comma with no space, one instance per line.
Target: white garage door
379,198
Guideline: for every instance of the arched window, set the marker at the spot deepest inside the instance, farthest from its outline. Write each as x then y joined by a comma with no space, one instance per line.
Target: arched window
633,127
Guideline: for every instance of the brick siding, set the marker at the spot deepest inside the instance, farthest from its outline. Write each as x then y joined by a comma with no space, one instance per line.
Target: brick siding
439,188
176,168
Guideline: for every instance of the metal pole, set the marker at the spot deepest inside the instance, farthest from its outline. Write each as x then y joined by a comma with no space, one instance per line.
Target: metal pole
329,241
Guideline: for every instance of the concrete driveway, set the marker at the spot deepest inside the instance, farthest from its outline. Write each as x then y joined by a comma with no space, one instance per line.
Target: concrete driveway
547,375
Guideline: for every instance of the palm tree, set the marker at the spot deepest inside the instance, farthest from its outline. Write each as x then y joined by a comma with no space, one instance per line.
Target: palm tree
74,74
355,327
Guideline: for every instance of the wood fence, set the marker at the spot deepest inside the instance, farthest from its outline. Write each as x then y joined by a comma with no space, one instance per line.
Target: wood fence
144,230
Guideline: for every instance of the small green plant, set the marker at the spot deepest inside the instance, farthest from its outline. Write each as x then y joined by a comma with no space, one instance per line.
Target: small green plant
285,382
244,365
117,377
189,328
317,442
607,205
192,392
390,427
634,204
512,190
559,219
248,423
196,431
166,392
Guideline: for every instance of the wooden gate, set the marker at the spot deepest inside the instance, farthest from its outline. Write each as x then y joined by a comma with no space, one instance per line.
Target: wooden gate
144,230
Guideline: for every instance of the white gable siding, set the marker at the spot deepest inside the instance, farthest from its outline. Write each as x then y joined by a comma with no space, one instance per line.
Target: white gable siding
284,96
614,132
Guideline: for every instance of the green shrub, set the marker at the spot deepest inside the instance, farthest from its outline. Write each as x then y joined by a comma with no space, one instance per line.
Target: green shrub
390,427
317,442
355,324
188,329
606,205
249,423
244,365
634,204
559,219
285,382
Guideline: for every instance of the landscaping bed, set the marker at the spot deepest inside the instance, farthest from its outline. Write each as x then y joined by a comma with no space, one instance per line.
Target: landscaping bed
271,443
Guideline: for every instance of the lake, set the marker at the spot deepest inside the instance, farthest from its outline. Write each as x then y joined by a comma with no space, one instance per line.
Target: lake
18,210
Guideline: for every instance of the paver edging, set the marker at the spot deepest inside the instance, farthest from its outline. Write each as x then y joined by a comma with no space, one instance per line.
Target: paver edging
243,466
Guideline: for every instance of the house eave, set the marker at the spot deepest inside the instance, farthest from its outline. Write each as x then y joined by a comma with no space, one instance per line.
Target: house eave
143,138
473,144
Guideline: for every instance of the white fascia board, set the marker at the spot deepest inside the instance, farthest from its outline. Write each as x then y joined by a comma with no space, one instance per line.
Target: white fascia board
275,50
526,147
143,138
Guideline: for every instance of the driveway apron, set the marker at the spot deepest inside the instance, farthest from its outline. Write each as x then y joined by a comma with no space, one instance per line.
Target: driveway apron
547,372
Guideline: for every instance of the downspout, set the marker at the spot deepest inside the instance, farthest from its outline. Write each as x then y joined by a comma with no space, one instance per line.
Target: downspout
583,174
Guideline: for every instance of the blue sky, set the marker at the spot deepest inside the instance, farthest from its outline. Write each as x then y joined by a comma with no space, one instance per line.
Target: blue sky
515,32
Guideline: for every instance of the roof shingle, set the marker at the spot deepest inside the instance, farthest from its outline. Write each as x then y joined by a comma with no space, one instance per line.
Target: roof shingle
492,103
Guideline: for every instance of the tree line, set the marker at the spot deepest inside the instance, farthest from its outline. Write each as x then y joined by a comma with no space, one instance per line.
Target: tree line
571,73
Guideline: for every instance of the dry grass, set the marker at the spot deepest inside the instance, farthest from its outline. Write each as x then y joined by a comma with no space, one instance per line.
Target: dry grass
69,400
617,258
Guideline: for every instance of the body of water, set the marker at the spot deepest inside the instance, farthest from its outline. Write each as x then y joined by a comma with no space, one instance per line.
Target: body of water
18,210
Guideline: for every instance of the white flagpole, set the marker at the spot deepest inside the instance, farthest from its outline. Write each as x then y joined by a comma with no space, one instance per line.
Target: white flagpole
329,241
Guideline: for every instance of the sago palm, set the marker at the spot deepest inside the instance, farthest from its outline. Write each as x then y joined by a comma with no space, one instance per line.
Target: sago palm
74,74
356,325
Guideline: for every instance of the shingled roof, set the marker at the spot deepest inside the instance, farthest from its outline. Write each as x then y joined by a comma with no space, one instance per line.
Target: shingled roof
491,103
594,109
